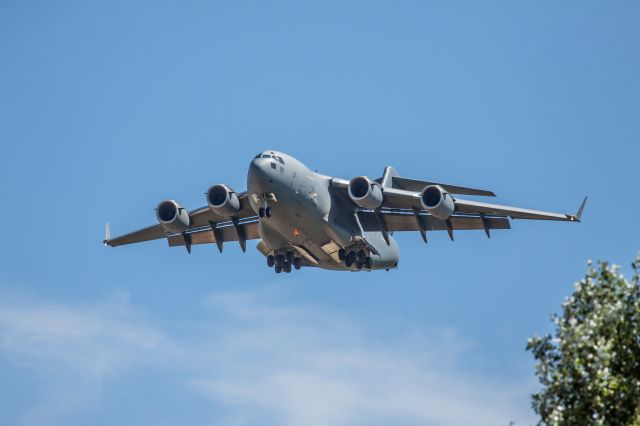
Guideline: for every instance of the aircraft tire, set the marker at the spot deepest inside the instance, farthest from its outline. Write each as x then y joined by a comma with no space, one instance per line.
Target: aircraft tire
297,263
270,261
368,262
261,212
267,212
278,269
342,254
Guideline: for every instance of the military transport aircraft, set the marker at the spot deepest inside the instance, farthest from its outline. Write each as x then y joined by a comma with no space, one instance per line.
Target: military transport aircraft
304,218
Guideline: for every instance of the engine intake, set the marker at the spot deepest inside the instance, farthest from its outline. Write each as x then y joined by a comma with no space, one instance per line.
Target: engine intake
172,216
365,192
223,200
437,201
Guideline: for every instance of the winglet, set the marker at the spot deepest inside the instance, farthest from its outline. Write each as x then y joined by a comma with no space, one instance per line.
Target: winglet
578,215
107,234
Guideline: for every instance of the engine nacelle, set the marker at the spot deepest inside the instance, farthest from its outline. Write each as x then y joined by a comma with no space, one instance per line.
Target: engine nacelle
437,201
365,192
172,216
223,201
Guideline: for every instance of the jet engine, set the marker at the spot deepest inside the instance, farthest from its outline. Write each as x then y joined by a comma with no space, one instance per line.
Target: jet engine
437,201
365,192
223,201
172,216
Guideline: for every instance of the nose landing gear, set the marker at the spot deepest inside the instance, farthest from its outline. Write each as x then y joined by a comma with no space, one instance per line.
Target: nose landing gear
264,211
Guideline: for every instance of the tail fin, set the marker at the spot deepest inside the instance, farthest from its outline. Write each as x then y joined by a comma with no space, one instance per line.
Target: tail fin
386,181
107,234
387,177
578,215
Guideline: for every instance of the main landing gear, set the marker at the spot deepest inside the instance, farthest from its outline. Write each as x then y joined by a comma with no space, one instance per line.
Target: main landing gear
284,262
354,256
264,212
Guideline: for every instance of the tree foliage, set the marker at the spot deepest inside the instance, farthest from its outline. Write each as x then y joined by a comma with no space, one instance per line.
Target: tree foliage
590,368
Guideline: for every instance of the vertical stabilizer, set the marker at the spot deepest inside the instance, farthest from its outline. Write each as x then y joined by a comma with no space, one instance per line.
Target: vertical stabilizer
387,182
387,177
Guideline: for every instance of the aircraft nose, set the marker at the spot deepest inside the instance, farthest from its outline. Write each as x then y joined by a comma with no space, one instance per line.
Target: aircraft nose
258,174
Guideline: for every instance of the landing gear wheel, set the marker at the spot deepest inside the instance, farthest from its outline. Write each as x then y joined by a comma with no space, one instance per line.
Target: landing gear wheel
270,261
289,257
279,260
267,212
297,263
278,269
342,253
358,264
287,267
261,212
348,262
352,257
368,262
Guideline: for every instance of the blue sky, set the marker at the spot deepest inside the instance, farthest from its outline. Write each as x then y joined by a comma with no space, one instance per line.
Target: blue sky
106,108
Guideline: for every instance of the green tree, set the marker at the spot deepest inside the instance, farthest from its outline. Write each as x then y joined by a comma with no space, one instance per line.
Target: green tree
590,368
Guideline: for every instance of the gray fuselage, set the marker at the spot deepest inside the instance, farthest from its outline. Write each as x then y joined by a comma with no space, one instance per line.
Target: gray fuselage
307,212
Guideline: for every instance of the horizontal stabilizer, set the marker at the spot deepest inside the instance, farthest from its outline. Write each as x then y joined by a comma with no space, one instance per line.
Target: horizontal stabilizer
419,185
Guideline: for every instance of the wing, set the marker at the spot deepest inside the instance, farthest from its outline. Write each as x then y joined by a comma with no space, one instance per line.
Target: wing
203,222
402,199
402,210
419,185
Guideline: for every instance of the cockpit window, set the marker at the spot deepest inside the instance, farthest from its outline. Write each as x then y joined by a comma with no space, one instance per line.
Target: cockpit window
273,156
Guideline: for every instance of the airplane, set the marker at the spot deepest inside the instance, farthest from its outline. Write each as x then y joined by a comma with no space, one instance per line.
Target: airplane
303,218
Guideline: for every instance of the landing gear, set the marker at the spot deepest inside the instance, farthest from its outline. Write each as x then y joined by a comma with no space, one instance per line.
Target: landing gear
264,212
350,259
356,256
342,253
284,262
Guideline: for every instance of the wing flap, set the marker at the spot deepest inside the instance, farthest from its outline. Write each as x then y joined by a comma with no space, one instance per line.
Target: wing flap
407,221
206,235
